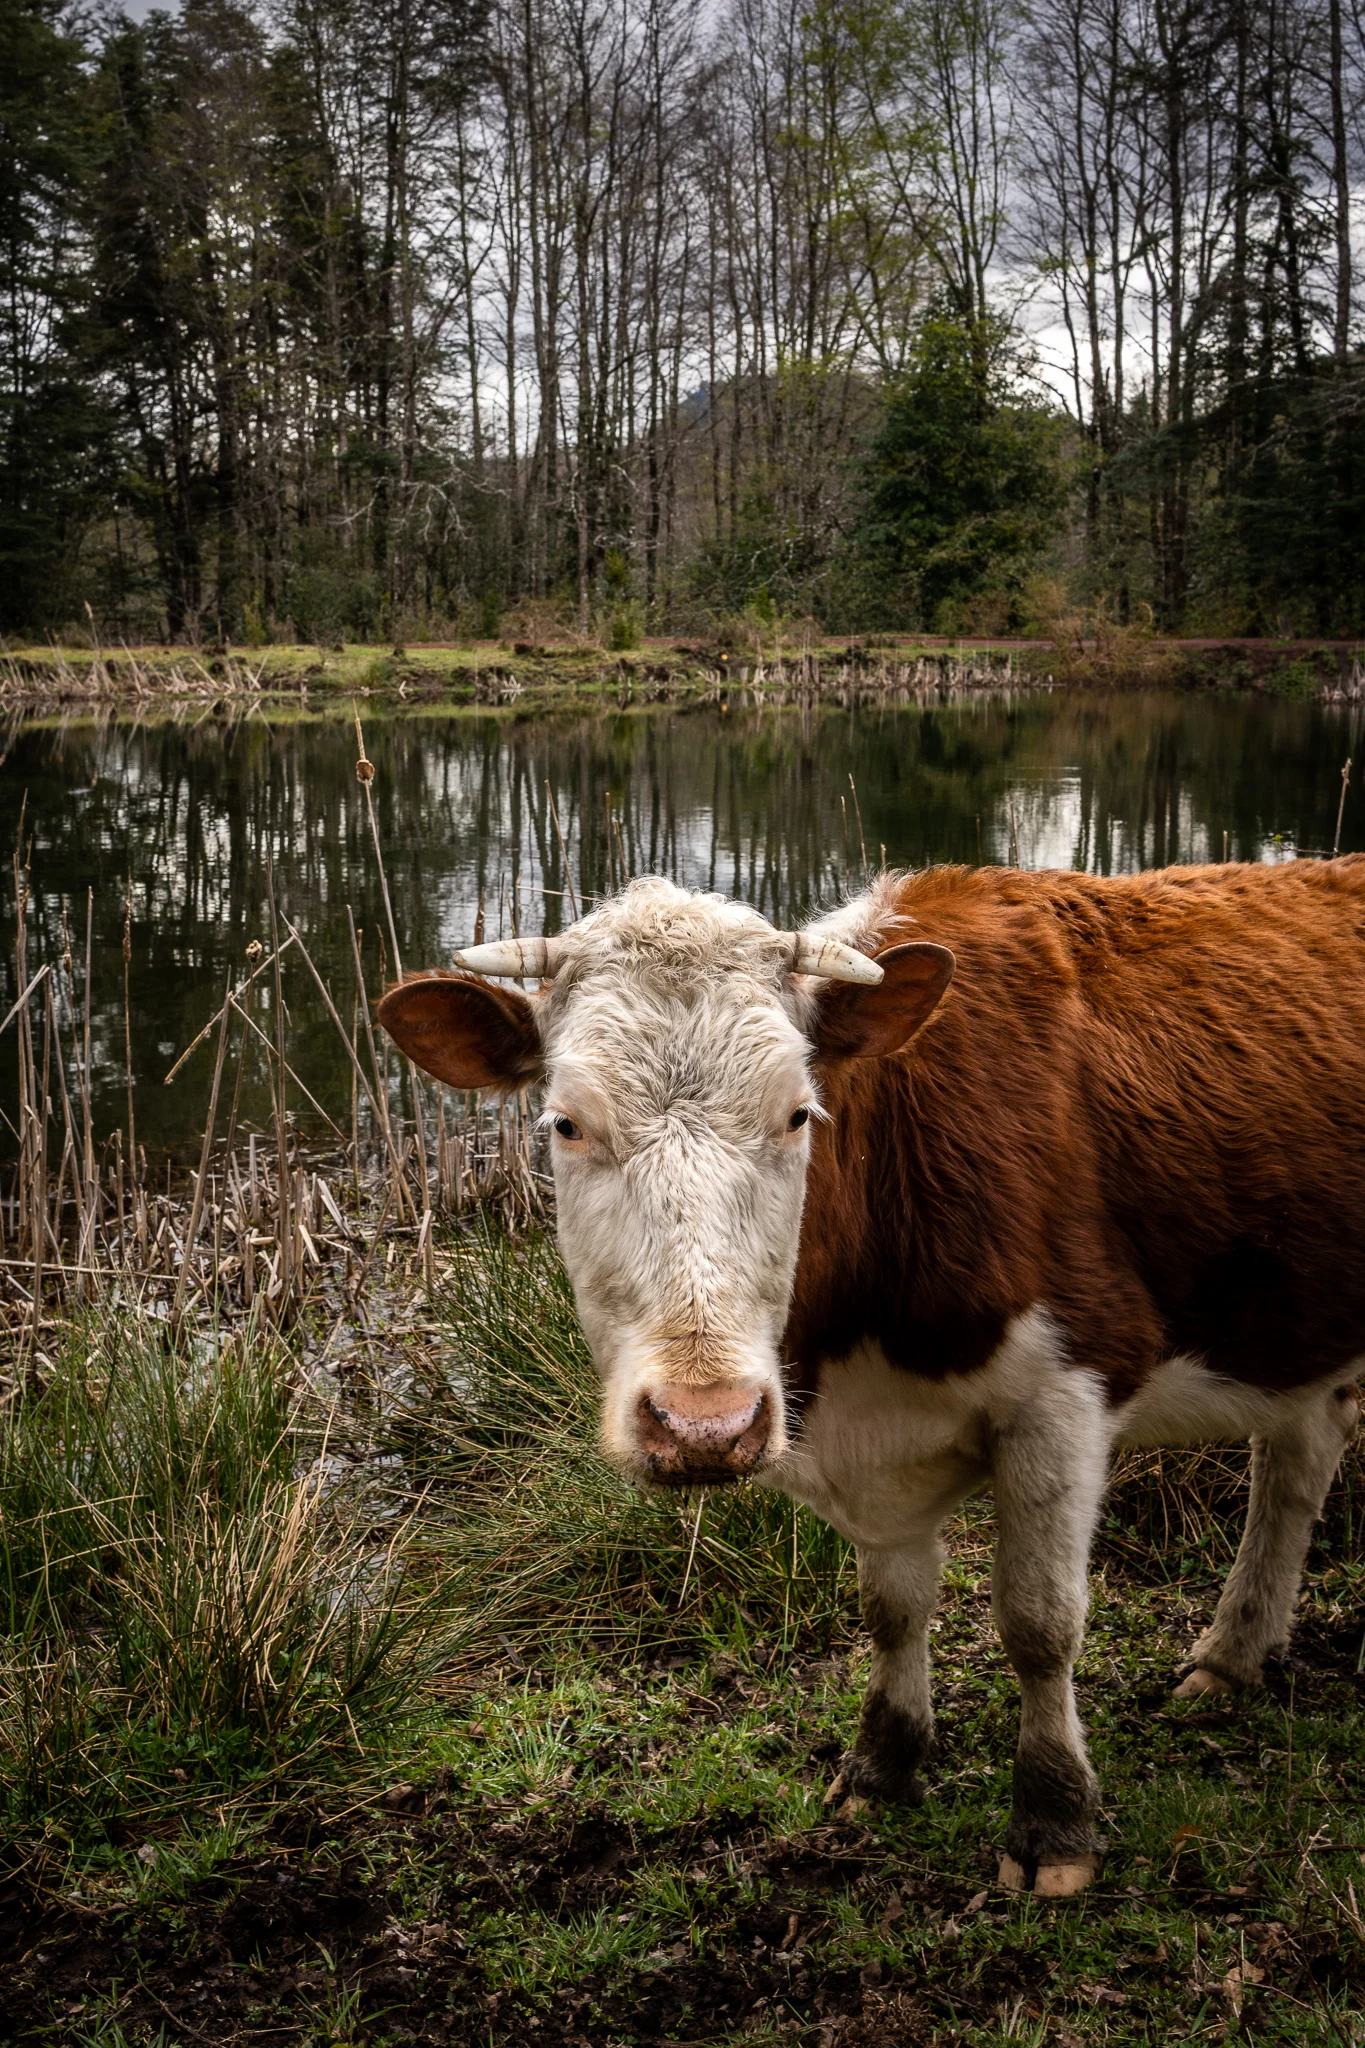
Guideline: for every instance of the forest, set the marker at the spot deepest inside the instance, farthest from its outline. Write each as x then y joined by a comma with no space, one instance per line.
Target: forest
389,319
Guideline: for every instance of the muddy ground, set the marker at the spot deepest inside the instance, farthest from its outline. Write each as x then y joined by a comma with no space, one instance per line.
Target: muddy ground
638,1856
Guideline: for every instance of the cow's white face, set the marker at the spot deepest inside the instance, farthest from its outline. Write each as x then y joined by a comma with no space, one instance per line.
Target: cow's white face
680,1110
677,1052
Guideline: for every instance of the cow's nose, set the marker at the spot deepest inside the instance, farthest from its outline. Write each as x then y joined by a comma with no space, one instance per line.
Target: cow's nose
703,1435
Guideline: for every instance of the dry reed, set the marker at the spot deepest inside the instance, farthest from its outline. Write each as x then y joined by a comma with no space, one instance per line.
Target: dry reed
264,1222
56,681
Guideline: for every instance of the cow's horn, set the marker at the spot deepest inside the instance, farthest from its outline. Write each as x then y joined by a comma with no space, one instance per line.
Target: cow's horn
812,955
512,956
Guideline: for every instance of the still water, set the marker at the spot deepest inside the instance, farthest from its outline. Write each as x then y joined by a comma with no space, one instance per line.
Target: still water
186,820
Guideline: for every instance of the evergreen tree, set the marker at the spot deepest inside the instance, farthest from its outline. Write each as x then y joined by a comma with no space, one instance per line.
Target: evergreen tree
964,481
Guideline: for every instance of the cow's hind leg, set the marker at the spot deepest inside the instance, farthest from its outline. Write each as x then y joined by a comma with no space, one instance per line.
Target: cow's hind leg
1050,1467
1291,1471
898,1590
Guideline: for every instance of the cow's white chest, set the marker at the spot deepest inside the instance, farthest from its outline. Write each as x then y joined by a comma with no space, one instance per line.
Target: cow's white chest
884,1456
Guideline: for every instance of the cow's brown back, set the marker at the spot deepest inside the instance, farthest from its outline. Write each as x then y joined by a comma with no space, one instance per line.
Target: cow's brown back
1142,1104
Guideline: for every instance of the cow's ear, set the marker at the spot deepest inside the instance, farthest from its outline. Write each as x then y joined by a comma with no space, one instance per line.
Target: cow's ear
464,1031
858,1023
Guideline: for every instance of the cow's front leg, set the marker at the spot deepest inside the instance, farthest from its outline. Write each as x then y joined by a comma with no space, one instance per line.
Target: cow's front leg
1050,1467
898,1591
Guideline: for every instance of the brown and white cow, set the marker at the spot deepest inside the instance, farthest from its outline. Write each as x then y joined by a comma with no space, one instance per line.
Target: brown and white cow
1076,1164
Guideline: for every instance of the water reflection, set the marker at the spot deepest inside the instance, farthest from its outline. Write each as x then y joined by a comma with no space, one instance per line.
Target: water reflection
779,807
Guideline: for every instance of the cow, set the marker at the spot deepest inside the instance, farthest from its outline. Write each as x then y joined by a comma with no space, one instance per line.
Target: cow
971,1182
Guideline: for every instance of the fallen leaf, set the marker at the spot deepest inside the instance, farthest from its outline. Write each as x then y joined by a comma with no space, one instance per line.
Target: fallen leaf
404,1798
1105,1994
1236,1981
975,1904
894,1911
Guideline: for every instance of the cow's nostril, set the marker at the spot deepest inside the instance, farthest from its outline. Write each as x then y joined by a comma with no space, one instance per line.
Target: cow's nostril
724,1429
695,1432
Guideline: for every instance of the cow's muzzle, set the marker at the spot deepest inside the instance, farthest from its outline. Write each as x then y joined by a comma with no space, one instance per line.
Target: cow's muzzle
703,1436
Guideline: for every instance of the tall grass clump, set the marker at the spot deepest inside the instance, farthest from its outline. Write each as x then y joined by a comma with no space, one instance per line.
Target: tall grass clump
189,1600
546,1535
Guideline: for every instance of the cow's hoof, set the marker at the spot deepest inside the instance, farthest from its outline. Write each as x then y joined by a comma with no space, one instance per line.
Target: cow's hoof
842,1803
1201,1683
1053,1881
1064,1880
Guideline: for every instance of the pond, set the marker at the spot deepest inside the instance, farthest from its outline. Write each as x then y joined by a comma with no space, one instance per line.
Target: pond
189,823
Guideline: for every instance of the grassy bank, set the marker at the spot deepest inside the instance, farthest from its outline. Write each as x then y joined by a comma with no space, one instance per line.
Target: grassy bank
533,678
526,678
350,1698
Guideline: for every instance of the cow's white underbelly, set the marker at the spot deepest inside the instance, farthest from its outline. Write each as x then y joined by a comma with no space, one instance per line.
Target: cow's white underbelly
1182,1402
884,1456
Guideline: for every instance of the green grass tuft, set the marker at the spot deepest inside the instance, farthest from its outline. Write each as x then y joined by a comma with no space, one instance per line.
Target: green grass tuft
188,1603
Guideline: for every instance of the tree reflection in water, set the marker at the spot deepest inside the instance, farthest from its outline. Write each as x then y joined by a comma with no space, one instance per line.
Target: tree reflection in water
757,804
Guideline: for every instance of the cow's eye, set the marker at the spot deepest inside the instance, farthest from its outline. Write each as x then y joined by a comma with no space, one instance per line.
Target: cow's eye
798,1117
565,1127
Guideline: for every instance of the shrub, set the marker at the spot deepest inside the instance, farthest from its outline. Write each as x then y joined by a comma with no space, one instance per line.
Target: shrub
625,628
331,597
